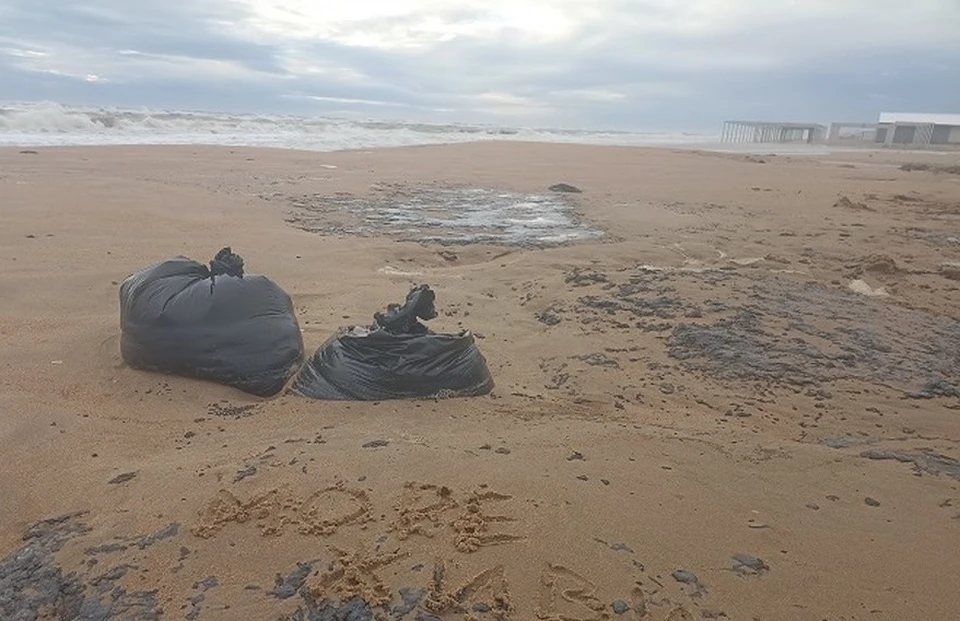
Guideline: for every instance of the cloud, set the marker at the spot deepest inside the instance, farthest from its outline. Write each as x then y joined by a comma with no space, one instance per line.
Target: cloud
605,63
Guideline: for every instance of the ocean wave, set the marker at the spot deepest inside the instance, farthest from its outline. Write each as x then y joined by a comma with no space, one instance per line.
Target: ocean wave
48,124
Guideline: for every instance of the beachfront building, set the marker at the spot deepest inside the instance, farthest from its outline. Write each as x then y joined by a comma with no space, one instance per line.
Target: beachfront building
765,131
900,129
855,132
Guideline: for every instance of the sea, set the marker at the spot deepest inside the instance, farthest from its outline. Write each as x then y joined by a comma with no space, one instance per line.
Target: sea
54,124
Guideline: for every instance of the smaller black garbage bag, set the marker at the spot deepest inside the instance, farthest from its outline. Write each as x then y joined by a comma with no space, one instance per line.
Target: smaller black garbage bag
396,358
183,318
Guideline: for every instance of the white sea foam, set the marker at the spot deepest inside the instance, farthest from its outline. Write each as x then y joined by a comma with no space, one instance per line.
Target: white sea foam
49,124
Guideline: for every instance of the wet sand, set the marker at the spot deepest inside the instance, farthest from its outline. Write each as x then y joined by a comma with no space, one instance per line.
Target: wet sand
740,402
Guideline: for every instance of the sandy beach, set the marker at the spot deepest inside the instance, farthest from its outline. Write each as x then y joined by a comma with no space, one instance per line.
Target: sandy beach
735,394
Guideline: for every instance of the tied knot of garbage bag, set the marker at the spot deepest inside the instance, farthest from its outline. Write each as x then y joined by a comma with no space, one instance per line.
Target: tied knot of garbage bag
226,263
402,319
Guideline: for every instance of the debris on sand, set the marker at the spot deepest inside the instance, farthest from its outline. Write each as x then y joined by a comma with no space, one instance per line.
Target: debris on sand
249,471
949,270
30,582
689,578
598,359
747,565
845,203
834,333
168,531
122,478
934,389
448,255
565,187
863,288
550,315
33,586
923,461
950,170
354,609
288,586
224,410
877,264
584,276
842,442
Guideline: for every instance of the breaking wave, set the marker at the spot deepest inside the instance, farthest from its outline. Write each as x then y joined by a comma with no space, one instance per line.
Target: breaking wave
49,124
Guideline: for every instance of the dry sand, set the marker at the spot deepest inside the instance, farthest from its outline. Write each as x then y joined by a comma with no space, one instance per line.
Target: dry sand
700,383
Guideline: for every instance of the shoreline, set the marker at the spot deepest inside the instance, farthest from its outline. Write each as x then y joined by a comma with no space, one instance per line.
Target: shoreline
757,149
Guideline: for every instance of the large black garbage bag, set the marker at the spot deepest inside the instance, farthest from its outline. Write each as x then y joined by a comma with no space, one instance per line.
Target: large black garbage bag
396,358
215,323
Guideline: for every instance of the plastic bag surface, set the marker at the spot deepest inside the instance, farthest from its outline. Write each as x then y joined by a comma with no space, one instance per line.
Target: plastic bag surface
183,318
396,358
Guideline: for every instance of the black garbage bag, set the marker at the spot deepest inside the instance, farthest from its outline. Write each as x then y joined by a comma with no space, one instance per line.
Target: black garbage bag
396,358
215,323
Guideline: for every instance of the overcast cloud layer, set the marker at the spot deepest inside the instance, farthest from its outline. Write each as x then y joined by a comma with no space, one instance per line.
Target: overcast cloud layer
629,64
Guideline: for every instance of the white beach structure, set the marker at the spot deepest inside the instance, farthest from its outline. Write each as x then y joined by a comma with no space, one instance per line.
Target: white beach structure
772,132
901,129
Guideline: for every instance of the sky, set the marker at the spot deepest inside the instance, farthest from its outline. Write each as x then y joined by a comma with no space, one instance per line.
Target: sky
596,64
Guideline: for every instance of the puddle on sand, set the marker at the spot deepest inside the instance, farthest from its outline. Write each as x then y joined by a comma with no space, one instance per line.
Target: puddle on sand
444,215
